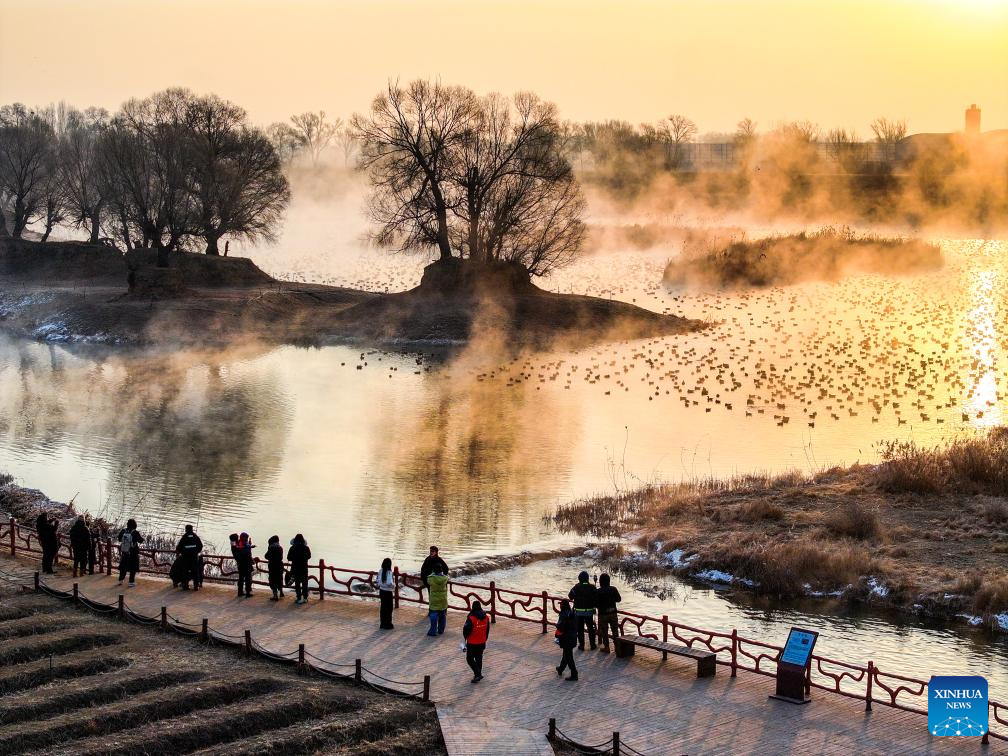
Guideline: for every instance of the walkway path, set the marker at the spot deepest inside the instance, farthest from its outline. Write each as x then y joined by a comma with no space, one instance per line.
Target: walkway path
658,707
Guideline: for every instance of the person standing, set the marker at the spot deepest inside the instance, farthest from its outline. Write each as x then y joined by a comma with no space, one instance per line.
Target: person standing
584,596
93,548
386,595
275,563
606,600
80,545
45,528
476,630
241,550
566,635
437,606
129,552
298,555
433,563
188,550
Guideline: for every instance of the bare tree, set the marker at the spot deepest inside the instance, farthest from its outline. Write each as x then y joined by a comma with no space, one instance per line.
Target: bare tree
237,183
745,131
803,131
521,202
889,134
676,131
314,132
285,141
78,167
844,147
408,142
26,145
347,142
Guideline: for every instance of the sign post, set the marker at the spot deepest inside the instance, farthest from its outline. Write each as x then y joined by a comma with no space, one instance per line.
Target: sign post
793,666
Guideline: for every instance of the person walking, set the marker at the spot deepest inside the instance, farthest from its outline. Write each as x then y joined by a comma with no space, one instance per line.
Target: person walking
433,563
566,636
606,600
80,545
386,595
298,555
584,596
275,563
188,550
437,602
476,630
129,552
45,528
241,550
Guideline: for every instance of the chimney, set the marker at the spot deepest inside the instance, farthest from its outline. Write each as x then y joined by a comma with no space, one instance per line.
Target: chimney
973,119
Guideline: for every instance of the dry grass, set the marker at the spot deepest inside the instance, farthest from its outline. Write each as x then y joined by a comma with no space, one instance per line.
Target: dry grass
968,465
854,519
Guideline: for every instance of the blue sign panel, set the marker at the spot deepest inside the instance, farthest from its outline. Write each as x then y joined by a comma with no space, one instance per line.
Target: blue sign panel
957,705
798,648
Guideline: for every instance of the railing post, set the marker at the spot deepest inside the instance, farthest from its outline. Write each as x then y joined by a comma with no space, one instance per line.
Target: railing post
551,733
164,617
108,556
122,606
321,579
545,613
358,672
615,744
13,537
76,593
493,602
36,581
985,740
808,678
301,658
664,625
395,575
426,687
205,630
871,676
248,642
734,652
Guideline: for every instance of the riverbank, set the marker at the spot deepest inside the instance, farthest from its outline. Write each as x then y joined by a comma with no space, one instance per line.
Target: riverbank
72,292
924,532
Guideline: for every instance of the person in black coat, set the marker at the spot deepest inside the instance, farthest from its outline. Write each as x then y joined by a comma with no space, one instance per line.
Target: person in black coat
606,600
584,596
432,565
45,527
80,545
93,548
129,552
298,555
241,550
566,635
188,550
275,561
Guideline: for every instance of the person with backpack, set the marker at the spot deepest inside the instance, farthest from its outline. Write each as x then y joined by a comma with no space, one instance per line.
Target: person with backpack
46,529
275,562
606,599
476,630
80,545
437,602
386,595
298,555
241,550
188,550
129,552
566,637
584,596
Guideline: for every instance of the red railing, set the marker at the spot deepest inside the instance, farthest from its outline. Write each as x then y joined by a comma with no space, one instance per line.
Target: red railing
738,653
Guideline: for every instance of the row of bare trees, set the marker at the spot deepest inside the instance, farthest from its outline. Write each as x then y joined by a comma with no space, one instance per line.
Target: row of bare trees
171,171
311,134
479,177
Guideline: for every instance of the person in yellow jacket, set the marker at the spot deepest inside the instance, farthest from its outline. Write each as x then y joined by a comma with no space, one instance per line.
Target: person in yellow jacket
437,609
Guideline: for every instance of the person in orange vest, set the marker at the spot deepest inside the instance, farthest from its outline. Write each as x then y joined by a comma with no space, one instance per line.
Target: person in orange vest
476,630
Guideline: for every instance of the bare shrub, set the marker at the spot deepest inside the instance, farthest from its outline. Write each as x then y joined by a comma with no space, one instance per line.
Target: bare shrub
760,509
854,519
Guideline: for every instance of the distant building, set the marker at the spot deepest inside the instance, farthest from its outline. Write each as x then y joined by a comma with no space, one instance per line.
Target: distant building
973,119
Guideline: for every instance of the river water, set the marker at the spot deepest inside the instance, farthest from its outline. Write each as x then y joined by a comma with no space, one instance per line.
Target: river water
373,453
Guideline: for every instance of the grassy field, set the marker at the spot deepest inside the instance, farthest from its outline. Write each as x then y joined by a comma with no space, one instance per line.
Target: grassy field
75,683
926,529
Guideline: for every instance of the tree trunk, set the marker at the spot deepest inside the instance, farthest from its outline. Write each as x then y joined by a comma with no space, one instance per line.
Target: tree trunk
162,254
4,233
20,219
211,244
95,227
48,230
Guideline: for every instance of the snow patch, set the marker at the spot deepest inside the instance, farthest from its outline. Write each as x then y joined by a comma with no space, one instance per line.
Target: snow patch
677,558
877,587
717,576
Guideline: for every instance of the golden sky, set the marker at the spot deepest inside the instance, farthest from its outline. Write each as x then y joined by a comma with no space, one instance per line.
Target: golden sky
837,62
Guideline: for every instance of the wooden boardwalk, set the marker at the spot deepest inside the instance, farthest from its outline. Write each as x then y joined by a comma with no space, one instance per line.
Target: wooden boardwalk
658,707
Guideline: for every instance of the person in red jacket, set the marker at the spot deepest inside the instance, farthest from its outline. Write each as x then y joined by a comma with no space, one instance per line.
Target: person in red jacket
476,630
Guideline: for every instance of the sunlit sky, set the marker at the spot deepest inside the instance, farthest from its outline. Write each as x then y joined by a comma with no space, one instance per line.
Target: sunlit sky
837,62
